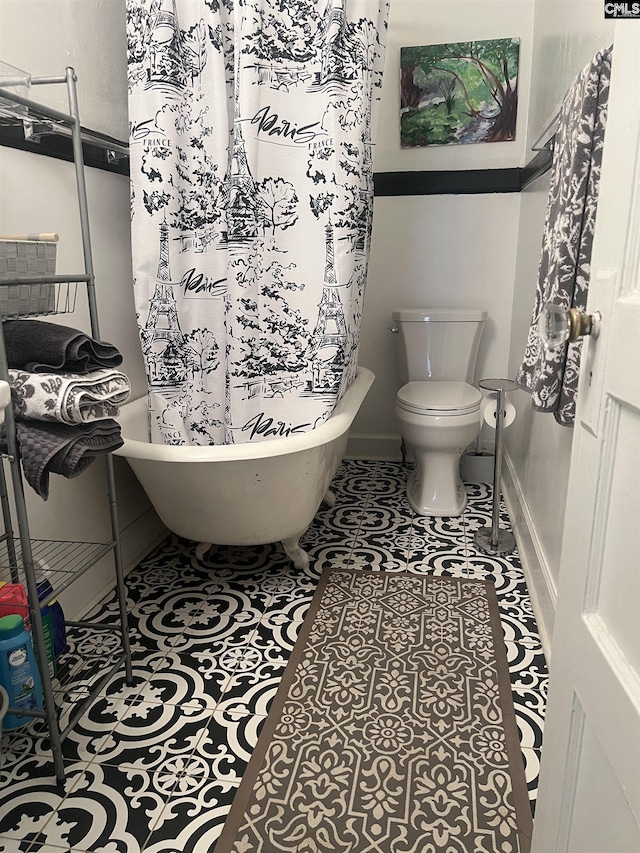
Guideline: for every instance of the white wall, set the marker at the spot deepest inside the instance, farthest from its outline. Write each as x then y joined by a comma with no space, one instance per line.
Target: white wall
439,251
38,194
567,34
424,22
44,37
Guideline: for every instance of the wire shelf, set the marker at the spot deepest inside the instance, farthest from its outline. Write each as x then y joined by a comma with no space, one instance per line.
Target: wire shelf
27,291
63,561
36,298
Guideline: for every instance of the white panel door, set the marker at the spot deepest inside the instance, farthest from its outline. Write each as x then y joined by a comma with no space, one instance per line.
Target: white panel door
589,798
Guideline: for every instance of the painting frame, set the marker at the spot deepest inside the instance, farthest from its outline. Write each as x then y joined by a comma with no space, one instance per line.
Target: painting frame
458,93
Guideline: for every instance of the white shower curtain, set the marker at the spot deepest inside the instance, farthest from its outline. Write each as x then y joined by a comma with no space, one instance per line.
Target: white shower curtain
252,189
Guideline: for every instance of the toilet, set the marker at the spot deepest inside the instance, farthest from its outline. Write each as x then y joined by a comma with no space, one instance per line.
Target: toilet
437,407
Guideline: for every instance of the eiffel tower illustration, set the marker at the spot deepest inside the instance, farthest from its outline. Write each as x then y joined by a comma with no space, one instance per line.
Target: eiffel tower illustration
330,40
329,339
242,205
166,67
166,362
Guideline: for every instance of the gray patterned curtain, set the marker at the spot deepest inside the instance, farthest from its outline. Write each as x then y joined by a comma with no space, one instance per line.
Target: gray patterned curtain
252,193
551,377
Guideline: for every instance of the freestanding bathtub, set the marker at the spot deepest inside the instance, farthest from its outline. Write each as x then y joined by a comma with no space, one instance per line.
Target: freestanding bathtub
242,494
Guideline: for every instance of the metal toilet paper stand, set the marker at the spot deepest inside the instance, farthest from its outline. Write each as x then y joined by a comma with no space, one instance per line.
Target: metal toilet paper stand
494,540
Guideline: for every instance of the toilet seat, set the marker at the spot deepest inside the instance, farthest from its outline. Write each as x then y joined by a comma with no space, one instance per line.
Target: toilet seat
439,398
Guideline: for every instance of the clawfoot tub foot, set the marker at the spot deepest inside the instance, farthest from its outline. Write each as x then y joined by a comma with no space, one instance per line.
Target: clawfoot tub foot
201,549
295,553
329,498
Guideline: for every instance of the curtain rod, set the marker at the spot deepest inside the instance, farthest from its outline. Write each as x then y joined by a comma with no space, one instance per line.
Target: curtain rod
548,145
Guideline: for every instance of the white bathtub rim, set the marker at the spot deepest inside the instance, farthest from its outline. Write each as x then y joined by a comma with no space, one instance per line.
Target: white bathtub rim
335,426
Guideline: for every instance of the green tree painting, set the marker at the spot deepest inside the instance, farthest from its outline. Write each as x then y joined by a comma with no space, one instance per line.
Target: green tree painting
459,93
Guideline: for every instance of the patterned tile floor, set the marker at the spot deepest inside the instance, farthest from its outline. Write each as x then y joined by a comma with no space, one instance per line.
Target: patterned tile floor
154,766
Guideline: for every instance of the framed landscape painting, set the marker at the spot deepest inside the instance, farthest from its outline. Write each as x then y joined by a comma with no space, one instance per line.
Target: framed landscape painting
459,93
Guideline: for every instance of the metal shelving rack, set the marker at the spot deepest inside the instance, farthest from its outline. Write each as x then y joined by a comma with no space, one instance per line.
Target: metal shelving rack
67,561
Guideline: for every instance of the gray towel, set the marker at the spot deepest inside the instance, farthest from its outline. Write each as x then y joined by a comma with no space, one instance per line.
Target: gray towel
41,347
565,261
53,448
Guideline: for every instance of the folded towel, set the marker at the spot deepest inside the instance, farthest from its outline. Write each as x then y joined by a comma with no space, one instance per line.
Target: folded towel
61,449
69,398
42,347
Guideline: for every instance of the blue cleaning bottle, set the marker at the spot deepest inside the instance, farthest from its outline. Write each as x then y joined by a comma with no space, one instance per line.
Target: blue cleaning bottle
18,670
55,611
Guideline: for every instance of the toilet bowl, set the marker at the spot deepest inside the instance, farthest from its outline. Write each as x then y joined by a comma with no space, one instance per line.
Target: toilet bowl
438,420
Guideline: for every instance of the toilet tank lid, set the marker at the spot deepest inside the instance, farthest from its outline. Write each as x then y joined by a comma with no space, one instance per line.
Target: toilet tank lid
438,315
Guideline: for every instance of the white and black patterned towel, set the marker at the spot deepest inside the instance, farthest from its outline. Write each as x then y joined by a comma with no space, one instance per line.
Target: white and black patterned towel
565,261
69,398
55,448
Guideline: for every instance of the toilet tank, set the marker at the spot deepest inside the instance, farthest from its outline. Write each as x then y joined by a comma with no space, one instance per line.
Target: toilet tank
437,344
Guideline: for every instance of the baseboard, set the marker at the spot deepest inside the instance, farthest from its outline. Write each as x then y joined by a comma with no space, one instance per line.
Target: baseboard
542,588
385,448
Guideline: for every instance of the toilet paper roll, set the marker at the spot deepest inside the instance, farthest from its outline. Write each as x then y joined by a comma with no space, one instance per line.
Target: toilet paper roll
489,411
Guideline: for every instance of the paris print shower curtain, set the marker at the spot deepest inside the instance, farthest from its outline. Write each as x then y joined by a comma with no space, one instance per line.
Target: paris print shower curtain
252,187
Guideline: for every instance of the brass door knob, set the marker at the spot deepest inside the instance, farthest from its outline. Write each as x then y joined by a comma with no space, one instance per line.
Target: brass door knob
557,325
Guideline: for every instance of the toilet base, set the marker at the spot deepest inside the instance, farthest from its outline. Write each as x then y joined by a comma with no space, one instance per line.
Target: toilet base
436,489
437,441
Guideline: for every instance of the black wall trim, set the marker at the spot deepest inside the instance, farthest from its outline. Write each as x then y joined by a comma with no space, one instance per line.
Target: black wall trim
469,181
447,183
60,147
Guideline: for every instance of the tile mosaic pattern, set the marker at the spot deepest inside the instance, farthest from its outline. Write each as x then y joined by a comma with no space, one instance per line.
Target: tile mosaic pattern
154,766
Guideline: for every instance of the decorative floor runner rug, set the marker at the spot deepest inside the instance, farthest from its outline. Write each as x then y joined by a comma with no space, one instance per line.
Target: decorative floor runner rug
393,729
